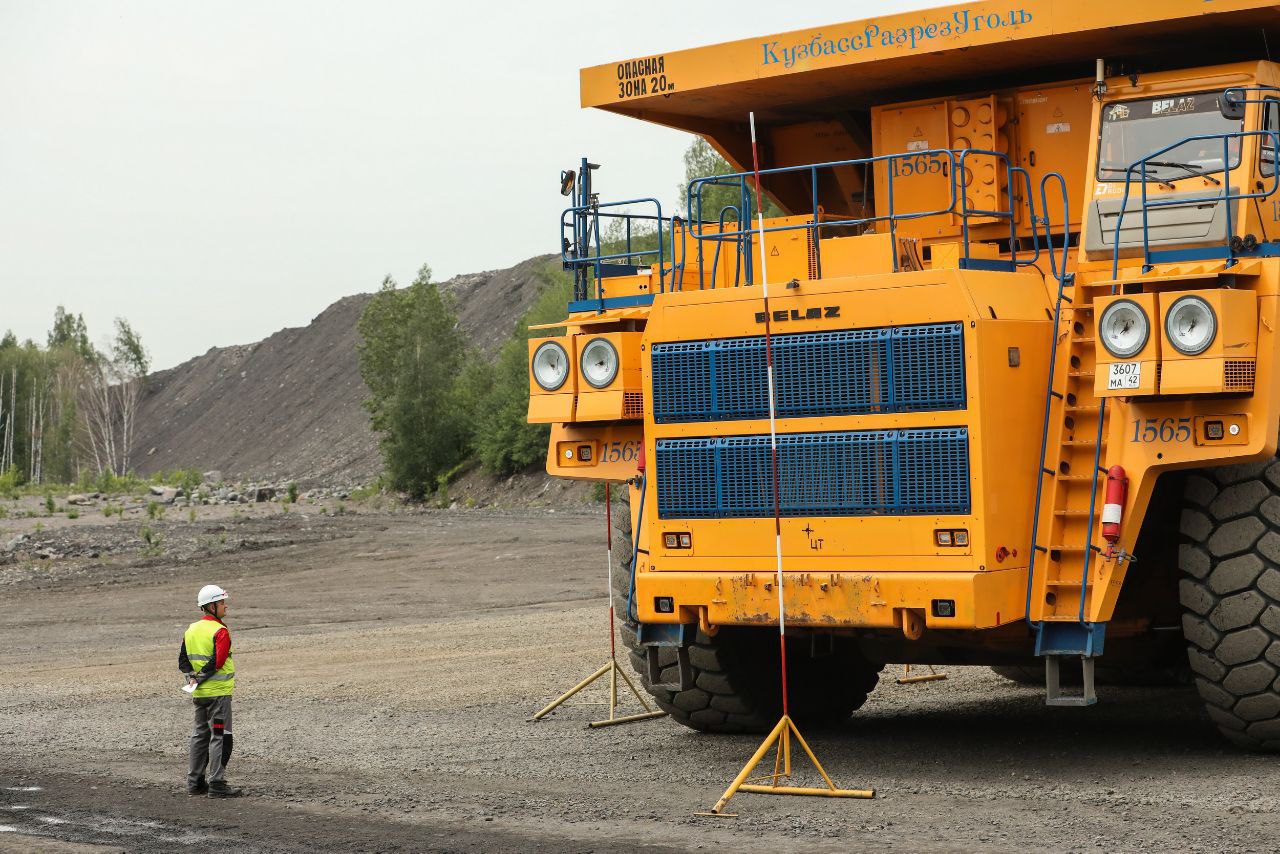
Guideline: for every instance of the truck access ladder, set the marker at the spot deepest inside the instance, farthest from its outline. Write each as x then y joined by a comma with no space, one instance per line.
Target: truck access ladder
1068,498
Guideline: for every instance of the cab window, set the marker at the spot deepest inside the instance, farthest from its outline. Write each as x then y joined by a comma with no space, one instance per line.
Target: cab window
1132,130
1267,148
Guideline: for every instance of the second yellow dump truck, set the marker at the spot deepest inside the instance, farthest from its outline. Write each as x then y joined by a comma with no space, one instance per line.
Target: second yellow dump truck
1024,323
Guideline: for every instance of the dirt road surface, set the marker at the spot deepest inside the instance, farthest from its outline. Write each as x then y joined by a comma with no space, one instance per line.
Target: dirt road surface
386,668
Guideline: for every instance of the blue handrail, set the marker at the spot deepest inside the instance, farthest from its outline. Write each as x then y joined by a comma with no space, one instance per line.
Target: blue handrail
1228,251
586,255
966,212
1064,279
744,210
715,257
583,222
950,165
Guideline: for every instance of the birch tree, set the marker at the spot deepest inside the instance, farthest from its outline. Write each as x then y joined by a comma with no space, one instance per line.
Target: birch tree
130,363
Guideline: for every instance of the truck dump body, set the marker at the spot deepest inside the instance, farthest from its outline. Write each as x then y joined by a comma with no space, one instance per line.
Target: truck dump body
903,57
812,90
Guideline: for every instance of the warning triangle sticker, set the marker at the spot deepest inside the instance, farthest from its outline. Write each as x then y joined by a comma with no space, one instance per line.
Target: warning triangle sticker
918,132
774,252
1057,112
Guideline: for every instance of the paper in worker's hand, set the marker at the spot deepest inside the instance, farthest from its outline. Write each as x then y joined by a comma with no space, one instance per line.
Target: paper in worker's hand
190,687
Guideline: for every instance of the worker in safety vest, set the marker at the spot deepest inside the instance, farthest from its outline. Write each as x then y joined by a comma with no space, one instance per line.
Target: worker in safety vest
205,659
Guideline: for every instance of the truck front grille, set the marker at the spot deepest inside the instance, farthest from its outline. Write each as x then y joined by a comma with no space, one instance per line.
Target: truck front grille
849,372
858,473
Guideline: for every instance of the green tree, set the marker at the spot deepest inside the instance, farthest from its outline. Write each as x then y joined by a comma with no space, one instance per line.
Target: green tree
69,331
504,441
127,351
130,362
411,352
65,410
702,161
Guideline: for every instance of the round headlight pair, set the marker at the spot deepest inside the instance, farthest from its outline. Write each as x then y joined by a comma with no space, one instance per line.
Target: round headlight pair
550,364
1189,323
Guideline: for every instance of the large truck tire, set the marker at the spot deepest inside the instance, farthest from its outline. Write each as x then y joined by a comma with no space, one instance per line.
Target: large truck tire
736,671
1230,594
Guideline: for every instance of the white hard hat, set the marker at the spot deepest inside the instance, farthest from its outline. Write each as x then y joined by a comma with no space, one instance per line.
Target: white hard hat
209,594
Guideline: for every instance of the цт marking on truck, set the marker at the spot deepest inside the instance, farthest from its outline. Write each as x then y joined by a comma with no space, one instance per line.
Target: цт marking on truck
1026,291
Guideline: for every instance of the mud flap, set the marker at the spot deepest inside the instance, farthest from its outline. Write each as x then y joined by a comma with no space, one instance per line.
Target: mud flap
656,637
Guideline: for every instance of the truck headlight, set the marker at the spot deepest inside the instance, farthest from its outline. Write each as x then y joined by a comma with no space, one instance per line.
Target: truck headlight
1124,329
550,366
1191,325
599,363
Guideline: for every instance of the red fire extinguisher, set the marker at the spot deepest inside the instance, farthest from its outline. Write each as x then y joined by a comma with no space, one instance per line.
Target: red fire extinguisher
1113,509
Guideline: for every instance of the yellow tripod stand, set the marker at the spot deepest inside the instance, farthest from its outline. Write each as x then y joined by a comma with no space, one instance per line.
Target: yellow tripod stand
611,666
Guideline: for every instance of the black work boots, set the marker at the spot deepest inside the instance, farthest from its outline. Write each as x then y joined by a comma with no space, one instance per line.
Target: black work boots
222,790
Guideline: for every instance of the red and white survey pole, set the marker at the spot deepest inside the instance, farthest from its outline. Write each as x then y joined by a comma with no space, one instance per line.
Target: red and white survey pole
785,729
773,413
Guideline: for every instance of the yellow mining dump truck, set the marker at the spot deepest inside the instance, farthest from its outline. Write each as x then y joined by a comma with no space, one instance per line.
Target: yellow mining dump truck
1024,322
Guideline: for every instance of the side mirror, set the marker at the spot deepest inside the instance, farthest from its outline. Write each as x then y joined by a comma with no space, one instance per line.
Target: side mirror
567,179
1231,104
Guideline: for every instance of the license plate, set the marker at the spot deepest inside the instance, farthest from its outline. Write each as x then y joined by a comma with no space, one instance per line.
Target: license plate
1124,375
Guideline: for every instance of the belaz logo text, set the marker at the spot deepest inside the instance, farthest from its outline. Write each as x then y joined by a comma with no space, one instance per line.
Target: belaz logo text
782,315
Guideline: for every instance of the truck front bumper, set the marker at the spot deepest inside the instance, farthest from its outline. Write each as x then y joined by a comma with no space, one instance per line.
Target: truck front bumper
845,600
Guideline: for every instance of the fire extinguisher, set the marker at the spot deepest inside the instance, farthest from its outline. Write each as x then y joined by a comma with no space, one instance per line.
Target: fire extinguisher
1113,509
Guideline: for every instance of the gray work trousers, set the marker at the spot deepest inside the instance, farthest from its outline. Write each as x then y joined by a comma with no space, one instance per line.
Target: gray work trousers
210,740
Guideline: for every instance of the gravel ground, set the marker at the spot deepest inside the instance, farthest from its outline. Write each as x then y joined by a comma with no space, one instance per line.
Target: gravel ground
387,665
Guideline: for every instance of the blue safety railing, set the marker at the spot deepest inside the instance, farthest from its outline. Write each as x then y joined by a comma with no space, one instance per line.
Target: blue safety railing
738,213
594,253
1058,266
948,165
1230,248
741,260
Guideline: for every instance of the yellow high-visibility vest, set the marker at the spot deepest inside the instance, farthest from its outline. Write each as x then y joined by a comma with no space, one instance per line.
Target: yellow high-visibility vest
199,641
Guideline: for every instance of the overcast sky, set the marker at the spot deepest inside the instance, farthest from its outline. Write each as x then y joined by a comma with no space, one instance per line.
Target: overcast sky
216,171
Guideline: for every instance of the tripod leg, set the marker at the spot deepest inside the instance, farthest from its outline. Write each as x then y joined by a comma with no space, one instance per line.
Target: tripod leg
566,695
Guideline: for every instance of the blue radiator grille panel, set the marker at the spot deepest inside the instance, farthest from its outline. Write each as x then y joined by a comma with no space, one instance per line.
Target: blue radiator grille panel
863,473
928,367
850,372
